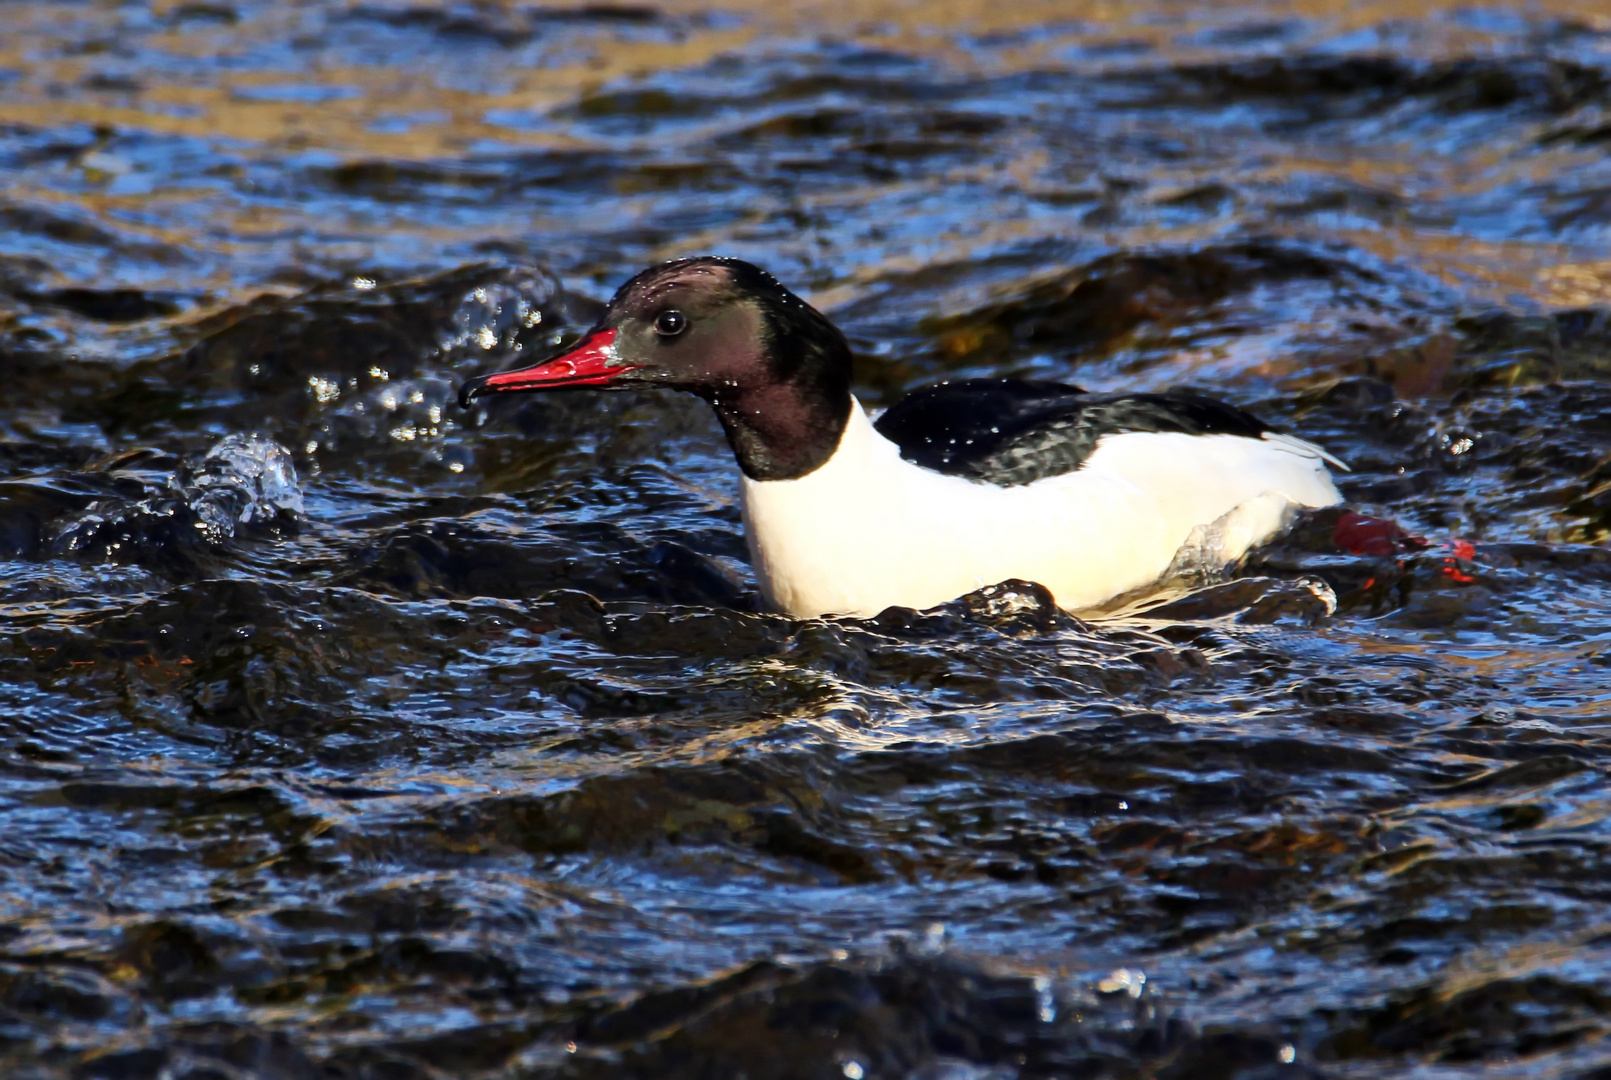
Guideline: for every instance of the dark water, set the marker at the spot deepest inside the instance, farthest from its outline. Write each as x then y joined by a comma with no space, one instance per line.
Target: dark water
345,734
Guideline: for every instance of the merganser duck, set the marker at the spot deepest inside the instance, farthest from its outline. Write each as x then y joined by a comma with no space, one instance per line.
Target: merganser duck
957,486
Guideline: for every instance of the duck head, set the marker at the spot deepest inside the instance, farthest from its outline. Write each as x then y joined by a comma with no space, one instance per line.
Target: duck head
776,371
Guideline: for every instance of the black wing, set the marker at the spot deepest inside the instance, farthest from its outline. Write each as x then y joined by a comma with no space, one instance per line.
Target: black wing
1015,431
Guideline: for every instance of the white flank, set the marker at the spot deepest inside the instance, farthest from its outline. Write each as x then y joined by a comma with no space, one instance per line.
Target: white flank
867,530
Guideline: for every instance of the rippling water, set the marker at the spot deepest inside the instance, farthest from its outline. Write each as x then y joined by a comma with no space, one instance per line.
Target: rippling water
348,735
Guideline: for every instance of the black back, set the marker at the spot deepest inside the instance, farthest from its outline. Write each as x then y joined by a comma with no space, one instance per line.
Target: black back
1014,431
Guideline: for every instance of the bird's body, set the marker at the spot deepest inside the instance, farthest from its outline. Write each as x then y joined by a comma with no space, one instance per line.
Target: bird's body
956,487
868,529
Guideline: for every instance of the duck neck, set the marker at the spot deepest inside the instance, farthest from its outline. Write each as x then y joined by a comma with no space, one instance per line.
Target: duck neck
788,424
779,434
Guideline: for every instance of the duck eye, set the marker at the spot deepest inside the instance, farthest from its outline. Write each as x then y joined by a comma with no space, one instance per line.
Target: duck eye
670,323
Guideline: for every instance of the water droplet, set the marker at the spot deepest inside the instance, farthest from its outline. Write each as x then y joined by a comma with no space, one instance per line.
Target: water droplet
1046,1004
1129,980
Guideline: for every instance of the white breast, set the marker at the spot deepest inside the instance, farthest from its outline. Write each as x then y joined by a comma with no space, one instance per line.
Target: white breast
868,530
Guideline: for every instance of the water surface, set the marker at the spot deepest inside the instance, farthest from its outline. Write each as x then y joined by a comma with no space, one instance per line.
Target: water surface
347,734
